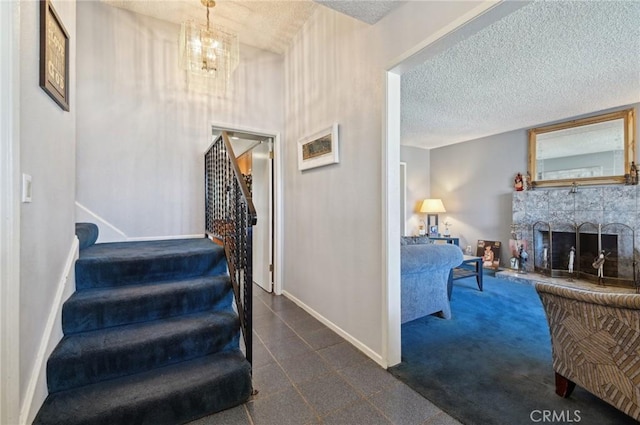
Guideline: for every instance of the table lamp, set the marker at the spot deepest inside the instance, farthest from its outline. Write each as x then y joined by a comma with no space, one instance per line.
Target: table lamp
432,207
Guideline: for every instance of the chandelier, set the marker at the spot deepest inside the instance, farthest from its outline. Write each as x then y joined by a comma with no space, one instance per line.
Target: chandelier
208,53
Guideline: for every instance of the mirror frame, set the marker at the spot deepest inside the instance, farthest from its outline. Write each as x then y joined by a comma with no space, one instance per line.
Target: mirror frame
628,115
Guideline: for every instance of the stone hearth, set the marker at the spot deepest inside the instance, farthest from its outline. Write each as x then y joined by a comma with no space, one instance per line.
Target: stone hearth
532,278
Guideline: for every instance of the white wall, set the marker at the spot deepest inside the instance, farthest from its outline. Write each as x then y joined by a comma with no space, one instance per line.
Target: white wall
477,190
418,185
47,151
475,181
142,133
332,213
334,72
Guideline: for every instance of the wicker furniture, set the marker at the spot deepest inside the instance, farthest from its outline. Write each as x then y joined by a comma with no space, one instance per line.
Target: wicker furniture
595,338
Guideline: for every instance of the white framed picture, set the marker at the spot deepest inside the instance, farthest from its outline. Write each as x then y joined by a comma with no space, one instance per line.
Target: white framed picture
319,149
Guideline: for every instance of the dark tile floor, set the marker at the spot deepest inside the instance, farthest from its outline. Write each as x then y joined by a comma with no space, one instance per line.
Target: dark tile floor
306,374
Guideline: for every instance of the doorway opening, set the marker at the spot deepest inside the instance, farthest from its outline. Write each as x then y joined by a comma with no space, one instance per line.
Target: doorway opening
464,26
256,159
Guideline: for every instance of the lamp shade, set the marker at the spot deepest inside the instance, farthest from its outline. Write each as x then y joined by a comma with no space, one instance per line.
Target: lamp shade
432,206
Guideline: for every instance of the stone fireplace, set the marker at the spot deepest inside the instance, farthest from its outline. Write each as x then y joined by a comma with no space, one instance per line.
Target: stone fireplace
593,219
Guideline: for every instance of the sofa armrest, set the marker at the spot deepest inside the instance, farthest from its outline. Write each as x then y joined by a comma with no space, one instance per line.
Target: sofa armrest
429,257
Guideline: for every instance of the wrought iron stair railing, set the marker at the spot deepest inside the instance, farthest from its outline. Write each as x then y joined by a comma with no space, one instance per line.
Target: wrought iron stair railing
230,216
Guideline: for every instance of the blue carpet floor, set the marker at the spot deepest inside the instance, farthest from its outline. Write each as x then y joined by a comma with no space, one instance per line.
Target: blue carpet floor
491,363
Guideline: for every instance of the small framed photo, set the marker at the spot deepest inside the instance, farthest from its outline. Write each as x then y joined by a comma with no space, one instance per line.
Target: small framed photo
54,55
433,231
490,253
319,149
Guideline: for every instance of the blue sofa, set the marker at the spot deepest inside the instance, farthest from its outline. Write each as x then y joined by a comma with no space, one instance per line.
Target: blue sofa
425,271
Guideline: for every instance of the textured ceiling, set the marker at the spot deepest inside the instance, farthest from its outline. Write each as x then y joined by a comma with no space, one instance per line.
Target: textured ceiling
268,25
545,62
369,11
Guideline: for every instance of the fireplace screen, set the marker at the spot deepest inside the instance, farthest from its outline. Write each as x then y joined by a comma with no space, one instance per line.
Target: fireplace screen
569,250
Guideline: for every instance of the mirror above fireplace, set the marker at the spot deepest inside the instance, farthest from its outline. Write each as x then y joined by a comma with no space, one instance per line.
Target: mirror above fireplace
586,151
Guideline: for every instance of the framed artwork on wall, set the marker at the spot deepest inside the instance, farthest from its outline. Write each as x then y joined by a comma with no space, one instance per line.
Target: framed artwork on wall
54,55
319,149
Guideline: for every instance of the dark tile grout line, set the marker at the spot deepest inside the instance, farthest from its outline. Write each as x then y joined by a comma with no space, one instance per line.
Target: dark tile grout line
361,394
282,368
317,415
246,410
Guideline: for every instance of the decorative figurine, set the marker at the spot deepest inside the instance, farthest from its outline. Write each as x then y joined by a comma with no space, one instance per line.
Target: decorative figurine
527,181
574,188
447,233
518,184
522,260
572,257
598,263
633,173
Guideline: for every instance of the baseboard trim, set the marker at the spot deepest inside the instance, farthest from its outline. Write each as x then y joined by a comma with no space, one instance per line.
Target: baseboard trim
37,385
108,232
354,341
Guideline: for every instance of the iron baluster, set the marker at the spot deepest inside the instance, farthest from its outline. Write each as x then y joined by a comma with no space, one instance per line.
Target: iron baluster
229,217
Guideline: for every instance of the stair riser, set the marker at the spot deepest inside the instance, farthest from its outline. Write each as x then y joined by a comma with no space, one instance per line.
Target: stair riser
112,362
198,402
100,274
88,316
173,395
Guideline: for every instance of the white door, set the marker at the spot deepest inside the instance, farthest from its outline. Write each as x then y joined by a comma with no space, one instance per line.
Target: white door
262,192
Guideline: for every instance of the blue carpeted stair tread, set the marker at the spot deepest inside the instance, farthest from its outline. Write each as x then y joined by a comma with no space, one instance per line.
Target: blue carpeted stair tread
151,337
124,263
88,357
173,394
98,308
148,249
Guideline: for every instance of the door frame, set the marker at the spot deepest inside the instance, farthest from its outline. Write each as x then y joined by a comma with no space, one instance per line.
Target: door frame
403,198
277,200
10,387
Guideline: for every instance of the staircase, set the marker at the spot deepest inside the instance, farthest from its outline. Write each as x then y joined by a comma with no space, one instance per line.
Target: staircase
151,337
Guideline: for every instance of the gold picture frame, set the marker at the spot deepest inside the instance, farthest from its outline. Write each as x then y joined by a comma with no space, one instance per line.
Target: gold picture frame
572,152
54,55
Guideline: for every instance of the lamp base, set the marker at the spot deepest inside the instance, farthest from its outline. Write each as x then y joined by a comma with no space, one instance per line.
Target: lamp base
432,219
